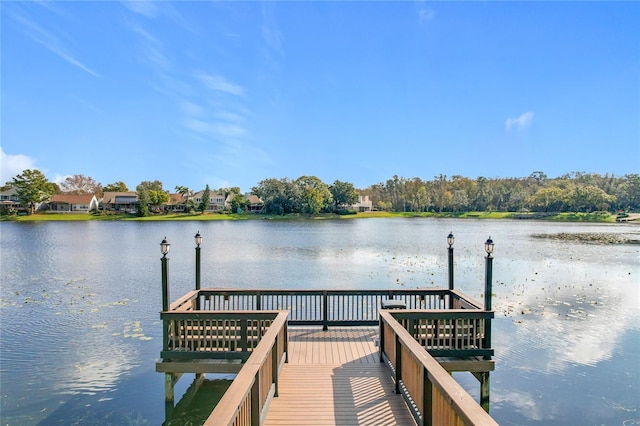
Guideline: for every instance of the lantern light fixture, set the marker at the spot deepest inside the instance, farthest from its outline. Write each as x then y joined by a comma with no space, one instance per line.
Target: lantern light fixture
450,239
164,247
488,246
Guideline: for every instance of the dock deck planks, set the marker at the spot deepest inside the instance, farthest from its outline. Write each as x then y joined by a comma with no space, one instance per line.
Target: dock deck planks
335,377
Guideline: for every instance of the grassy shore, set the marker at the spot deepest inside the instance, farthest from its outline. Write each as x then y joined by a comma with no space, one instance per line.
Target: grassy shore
561,217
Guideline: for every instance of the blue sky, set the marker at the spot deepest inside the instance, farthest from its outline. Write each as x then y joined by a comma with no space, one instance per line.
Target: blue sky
231,93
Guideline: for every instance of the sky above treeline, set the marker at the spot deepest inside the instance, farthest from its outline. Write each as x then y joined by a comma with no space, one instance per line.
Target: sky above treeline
230,93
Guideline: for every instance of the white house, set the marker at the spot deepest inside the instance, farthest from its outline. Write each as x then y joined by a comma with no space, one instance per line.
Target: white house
217,202
73,203
364,204
9,199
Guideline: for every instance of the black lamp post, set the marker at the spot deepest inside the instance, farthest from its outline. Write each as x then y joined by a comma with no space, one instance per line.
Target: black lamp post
198,238
488,247
164,249
450,240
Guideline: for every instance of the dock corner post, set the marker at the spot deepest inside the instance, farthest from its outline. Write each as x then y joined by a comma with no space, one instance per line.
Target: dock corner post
488,291
164,249
325,310
198,239
450,240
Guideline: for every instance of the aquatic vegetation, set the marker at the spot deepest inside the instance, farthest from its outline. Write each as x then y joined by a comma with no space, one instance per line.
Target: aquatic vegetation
593,237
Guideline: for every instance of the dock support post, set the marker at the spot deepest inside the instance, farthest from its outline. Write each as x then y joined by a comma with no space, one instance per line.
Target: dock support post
483,378
169,384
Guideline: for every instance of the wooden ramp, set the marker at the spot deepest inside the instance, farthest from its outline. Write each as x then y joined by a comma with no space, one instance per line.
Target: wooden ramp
335,377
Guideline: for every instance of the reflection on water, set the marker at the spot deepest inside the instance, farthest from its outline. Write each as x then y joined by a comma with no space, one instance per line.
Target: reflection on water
197,403
79,302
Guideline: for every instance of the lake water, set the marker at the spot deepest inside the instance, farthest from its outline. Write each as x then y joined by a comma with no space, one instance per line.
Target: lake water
80,330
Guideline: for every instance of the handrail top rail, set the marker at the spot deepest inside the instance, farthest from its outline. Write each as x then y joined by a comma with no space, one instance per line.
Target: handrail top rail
184,299
465,406
228,406
227,314
434,290
439,313
460,295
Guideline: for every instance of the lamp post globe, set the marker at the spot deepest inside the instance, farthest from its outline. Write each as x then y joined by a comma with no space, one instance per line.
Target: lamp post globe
198,239
450,239
488,246
164,247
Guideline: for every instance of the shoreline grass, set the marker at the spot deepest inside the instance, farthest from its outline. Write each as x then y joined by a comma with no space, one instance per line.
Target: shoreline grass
600,217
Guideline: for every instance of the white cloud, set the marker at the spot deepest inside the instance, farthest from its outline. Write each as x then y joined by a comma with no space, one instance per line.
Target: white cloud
146,8
49,41
152,47
424,13
519,123
190,108
58,179
196,125
220,84
229,130
13,165
270,32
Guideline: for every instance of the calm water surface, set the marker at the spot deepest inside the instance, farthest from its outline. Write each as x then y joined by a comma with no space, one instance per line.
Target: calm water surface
80,330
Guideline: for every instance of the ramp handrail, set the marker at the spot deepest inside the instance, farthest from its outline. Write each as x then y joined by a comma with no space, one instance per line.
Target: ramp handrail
433,396
247,399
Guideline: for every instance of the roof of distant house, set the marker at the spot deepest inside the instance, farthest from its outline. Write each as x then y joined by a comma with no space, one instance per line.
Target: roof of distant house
71,198
110,197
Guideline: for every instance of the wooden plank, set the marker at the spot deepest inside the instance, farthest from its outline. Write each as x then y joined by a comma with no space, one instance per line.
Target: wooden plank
324,394
199,366
470,364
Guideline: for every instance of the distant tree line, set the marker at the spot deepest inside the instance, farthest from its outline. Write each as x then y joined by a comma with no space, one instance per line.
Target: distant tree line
572,192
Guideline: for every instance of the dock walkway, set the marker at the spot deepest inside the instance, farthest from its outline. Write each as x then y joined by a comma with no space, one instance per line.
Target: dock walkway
335,377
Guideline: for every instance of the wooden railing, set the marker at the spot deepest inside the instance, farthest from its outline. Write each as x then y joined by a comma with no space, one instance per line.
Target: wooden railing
433,396
247,399
453,333
323,307
213,335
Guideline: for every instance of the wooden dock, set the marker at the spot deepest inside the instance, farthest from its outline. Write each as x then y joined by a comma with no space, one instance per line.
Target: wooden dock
316,356
335,377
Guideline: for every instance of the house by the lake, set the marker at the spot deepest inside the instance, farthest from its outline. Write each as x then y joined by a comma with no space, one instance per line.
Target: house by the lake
9,199
73,203
123,202
364,204
217,202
